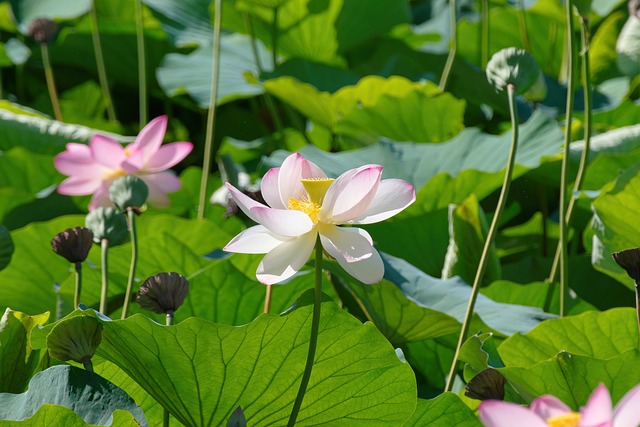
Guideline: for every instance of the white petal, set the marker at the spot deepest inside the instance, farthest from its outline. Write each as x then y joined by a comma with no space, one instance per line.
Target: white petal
244,202
287,259
270,190
255,240
627,411
598,410
393,196
495,413
351,194
353,250
548,406
293,170
282,221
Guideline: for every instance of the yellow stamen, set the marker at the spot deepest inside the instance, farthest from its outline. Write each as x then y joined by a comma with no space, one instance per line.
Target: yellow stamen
114,174
570,419
317,188
305,206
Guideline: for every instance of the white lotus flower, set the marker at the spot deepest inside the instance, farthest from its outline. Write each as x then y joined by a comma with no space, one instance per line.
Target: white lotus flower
304,203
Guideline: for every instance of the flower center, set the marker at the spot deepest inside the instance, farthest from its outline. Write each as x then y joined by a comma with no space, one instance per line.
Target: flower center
316,189
114,174
570,419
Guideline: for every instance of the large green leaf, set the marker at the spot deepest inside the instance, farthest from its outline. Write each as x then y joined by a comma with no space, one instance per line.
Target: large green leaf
186,21
49,415
602,335
202,371
89,395
6,247
17,359
445,410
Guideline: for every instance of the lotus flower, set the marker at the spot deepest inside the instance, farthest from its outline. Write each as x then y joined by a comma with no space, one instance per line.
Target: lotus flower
92,168
304,203
548,411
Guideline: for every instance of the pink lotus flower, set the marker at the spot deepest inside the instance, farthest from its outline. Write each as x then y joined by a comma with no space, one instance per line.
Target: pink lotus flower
92,168
549,411
304,203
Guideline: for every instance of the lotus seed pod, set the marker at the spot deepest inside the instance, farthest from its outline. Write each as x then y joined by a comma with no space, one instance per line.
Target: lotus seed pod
73,244
76,338
628,47
163,293
42,30
109,224
128,192
629,259
514,67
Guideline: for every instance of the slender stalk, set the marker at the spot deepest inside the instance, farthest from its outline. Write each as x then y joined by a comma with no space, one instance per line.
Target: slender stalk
444,79
51,83
104,244
493,228
142,66
524,32
313,340
638,308
267,298
274,37
88,365
76,296
484,48
165,417
211,117
102,72
131,221
582,168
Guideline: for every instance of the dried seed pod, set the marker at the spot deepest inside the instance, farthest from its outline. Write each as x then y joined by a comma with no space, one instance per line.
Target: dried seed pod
73,244
163,293
42,30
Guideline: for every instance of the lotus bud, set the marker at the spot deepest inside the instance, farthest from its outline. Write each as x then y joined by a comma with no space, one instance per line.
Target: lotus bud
75,338
629,259
514,67
42,30
73,244
163,293
128,192
109,224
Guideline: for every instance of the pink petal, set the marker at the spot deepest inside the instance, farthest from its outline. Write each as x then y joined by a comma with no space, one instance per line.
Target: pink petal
495,413
134,163
245,203
107,152
287,259
293,170
548,406
76,160
255,240
78,186
627,411
270,190
598,409
393,196
284,222
351,194
167,156
150,138
159,185
101,197
352,248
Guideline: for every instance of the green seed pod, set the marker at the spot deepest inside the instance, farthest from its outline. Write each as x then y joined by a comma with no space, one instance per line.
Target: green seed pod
128,192
73,244
163,293
514,67
75,339
107,223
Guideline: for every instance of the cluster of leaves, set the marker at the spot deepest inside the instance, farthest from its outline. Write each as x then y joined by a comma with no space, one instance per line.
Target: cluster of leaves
345,83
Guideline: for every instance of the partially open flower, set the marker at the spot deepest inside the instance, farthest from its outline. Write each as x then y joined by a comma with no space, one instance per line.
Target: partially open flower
629,259
163,293
76,338
73,244
109,224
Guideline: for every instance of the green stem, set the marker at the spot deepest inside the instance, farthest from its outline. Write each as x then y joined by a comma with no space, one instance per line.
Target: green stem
211,117
444,79
76,296
484,257
313,339
274,37
165,417
131,220
582,168
104,244
88,365
142,67
267,298
102,72
524,33
484,53
51,83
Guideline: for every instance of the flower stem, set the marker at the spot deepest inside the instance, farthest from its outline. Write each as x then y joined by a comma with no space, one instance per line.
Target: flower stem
524,33
484,257
274,37
267,298
104,244
165,417
582,168
142,67
211,118
484,48
444,79
76,296
102,71
131,220
51,83
313,339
